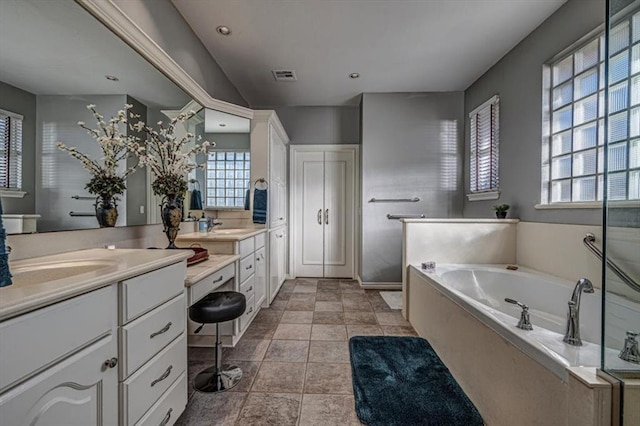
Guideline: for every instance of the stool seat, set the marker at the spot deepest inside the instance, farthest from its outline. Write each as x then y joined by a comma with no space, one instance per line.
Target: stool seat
218,307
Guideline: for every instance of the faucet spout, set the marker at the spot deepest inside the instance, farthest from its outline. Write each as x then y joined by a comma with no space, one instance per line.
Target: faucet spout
572,334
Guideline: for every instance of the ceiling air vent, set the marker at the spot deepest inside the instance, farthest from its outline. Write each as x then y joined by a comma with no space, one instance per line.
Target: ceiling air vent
284,75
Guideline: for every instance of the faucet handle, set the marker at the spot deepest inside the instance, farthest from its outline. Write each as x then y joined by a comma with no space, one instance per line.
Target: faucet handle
632,334
515,302
524,322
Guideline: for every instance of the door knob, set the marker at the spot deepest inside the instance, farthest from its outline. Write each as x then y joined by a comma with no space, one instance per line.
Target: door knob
326,217
320,217
110,363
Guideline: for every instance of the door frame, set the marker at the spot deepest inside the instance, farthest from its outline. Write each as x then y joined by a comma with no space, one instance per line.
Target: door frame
355,202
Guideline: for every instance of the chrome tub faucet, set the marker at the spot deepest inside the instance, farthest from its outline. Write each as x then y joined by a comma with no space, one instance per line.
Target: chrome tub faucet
572,335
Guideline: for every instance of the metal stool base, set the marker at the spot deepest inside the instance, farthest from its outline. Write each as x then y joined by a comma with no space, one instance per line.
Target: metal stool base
207,381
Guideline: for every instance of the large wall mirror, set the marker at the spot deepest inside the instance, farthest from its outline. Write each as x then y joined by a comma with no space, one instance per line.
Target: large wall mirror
55,59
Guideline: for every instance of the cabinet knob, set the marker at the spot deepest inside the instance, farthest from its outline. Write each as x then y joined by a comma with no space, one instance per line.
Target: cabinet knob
110,363
249,267
250,288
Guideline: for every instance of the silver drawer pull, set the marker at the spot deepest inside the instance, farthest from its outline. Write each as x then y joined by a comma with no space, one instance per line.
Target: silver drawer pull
217,280
249,267
249,289
165,421
164,376
162,330
250,310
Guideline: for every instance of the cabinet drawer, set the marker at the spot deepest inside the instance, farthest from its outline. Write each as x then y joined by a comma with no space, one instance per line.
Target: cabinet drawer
206,285
140,391
32,341
260,240
146,336
247,288
246,318
168,408
247,267
144,292
246,247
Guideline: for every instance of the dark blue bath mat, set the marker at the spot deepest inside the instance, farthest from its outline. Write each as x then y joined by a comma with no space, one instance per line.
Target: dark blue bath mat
400,381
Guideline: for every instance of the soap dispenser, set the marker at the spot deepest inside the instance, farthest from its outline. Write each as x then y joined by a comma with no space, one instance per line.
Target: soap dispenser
203,225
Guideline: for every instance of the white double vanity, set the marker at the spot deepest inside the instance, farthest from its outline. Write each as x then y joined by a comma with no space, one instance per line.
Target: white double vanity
99,336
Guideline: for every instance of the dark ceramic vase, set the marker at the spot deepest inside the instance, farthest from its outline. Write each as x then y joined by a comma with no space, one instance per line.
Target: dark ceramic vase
171,209
501,215
106,211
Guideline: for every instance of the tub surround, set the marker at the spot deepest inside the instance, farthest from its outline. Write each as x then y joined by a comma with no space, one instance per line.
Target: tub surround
34,291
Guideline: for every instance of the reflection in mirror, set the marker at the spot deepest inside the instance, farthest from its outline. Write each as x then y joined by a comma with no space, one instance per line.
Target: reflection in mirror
227,174
55,59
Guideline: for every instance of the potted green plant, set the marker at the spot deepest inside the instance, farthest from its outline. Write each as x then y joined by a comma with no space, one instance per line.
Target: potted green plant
501,210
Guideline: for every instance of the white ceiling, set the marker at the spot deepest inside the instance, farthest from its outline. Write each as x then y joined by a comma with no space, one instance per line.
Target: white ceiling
395,45
222,122
55,47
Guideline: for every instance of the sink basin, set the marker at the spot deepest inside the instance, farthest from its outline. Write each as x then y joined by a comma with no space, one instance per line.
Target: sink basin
44,272
231,231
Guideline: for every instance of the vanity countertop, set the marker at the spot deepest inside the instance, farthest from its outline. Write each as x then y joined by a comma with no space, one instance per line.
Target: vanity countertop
45,280
202,270
235,234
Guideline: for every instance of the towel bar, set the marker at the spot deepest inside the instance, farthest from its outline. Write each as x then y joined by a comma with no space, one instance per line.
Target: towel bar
404,216
84,214
395,200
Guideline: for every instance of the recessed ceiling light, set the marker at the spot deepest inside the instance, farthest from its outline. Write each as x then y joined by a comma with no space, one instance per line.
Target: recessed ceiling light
222,125
111,78
354,75
224,30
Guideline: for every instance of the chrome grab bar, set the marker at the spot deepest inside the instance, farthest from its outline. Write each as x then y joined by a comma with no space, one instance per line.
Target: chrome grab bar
404,216
86,214
395,200
588,241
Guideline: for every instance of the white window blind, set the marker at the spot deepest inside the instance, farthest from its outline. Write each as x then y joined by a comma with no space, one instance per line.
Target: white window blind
10,150
484,125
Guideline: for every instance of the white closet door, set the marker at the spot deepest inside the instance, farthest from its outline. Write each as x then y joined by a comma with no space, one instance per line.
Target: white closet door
309,212
338,214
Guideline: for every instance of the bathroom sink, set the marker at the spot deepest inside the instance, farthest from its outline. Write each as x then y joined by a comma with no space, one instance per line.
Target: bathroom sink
232,231
43,272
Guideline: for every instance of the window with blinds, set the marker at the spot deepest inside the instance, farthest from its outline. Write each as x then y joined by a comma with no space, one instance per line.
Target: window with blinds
573,164
10,150
484,125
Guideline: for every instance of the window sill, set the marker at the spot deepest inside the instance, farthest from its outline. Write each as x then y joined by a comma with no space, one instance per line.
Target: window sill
479,196
12,194
589,205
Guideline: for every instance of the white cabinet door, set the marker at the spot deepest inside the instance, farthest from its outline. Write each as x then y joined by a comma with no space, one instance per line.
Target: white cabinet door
282,255
80,391
278,179
277,260
260,282
309,211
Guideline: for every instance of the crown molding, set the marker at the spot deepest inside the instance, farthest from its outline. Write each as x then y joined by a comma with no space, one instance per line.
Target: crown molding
117,21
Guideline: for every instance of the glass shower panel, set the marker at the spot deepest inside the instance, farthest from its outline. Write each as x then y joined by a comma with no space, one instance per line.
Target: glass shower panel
621,233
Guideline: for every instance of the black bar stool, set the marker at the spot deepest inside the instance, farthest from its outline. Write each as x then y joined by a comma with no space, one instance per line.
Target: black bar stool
216,308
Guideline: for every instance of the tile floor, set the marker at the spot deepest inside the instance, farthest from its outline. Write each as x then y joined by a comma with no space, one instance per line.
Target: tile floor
295,358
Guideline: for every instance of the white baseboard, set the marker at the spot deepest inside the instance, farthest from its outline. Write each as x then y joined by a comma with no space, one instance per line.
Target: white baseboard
379,285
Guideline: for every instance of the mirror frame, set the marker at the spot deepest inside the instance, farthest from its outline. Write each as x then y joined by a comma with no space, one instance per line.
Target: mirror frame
107,12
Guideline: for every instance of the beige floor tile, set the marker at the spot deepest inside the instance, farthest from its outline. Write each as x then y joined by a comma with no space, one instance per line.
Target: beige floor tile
328,285
284,377
398,330
304,289
360,317
328,410
287,287
270,409
307,281
267,316
359,304
363,330
328,307
260,331
301,305
204,408
335,318
292,332
328,378
246,350
297,317
282,296
328,296
249,371
328,332
287,351
279,305
379,305
391,318
329,352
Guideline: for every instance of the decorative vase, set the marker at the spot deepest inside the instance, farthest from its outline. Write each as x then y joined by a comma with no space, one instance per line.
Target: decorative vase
501,215
106,211
171,212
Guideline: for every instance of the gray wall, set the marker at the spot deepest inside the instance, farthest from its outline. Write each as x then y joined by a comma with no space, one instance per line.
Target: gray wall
161,21
411,146
321,124
58,175
137,182
23,103
517,78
